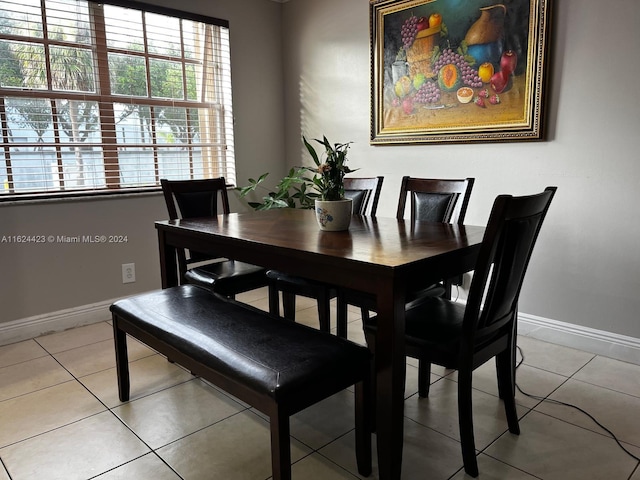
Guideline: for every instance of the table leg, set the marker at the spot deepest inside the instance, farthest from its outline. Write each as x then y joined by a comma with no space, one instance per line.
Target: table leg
168,262
390,383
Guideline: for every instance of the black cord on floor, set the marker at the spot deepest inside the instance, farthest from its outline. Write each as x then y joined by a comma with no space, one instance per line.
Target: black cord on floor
557,402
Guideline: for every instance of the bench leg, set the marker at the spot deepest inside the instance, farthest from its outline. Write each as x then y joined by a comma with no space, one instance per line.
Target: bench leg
280,446
122,360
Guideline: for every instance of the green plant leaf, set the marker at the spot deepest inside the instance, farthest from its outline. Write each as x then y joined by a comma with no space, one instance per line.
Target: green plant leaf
312,151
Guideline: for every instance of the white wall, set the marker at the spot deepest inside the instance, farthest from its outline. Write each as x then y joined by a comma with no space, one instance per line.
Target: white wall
586,267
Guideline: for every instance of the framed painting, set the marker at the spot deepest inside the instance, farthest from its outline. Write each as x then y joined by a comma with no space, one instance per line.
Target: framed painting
458,70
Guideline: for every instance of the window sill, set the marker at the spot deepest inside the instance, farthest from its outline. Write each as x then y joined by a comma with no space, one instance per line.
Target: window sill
59,197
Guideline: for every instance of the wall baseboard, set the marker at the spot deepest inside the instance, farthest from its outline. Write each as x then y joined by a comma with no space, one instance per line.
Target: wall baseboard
599,342
31,327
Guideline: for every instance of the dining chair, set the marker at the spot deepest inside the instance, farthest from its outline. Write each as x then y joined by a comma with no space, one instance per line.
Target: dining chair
464,337
208,198
365,193
430,200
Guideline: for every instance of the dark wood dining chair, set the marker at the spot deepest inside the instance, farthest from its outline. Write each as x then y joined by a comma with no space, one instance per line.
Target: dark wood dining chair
464,337
430,200
208,198
365,193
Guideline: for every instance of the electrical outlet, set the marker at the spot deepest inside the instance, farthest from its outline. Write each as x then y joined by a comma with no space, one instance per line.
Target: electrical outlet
128,272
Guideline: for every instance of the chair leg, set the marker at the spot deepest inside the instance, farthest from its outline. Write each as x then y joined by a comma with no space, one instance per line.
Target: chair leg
465,416
274,300
424,377
324,310
341,322
506,382
280,446
289,305
448,286
364,415
506,385
122,360
508,388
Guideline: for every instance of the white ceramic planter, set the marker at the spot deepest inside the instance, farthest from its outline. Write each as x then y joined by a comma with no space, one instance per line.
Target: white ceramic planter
335,215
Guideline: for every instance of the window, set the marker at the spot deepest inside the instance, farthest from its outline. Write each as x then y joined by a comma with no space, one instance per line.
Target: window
98,97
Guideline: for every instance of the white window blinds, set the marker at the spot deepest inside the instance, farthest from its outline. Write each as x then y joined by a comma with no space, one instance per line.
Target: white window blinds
101,97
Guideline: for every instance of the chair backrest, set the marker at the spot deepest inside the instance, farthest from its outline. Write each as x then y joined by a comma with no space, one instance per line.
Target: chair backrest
511,233
365,193
435,200
195,198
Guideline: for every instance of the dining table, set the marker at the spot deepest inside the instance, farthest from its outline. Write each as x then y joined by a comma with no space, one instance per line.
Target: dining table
377,255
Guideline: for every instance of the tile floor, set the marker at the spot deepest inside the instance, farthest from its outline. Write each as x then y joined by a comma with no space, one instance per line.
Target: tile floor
60,418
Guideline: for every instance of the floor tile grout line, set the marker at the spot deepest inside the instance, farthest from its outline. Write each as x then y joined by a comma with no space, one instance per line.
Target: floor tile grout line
601,432
610,389
529,409
69,329
155,450
432,429
52,429
41,389
136,459
512,466
331,461
601,428
46,354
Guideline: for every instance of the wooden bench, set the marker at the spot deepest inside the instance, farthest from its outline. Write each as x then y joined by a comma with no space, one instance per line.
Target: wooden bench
277,366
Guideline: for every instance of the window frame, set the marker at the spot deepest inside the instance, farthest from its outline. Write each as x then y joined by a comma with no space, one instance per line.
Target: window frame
101,76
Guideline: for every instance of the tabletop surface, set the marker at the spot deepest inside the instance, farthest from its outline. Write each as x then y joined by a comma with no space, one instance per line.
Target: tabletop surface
373,240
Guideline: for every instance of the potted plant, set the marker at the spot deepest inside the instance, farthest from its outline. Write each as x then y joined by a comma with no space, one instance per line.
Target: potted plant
333,210
324,191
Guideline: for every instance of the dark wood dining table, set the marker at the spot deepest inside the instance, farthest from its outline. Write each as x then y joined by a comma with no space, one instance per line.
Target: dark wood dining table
379,255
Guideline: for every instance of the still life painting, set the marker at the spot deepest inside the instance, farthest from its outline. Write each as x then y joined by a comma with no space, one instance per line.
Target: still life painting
458,70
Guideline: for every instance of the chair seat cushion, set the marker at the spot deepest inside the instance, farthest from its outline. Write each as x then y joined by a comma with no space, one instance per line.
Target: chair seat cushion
414,296
268,354
298,285
227,277
435,326
435,323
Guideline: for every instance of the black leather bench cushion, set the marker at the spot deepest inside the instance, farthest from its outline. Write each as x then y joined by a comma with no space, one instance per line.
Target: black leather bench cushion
266,353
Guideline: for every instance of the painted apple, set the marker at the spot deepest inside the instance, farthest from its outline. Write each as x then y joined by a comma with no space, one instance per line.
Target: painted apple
435,19
423,23
500,80
508,61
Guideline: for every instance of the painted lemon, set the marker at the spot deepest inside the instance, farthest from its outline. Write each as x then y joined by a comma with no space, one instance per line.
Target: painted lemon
485,72
403,86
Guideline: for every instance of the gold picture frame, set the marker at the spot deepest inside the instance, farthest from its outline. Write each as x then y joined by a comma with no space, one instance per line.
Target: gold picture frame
458,71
